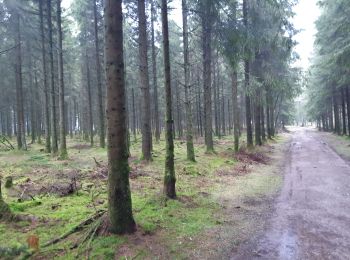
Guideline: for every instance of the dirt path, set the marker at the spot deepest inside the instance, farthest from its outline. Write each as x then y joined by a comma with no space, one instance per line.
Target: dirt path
312,213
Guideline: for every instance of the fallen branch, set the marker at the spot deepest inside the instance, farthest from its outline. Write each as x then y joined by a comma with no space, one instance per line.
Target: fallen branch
9,49
76,228
97,163
6,142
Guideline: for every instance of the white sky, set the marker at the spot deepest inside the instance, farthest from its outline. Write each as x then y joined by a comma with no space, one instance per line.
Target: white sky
306,12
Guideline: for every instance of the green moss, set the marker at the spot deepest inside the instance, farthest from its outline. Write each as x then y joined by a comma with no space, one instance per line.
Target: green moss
17,207
181,218
106,247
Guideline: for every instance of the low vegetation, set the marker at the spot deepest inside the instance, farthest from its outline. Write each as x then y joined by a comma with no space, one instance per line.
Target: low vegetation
51,197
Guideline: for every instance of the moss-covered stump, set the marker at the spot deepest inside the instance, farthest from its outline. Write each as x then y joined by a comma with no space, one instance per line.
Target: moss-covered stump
8,182
5,212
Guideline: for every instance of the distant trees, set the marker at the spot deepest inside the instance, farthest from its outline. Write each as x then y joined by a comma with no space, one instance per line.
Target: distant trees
328,91
230,73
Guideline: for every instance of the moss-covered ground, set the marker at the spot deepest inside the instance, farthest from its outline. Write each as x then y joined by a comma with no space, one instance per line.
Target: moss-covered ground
219,199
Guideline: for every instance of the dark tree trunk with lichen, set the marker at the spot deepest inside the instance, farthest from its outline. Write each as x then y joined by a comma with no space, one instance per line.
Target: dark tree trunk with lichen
119,195
169,177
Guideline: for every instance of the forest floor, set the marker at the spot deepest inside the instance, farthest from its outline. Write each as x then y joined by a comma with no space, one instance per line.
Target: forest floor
223,200
312,213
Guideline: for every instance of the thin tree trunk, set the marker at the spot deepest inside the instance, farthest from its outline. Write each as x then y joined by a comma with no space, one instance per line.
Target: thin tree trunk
348,106
99,80
235,109
54,148
262,114
88,81
144,79
206,37
46,90
247,83
21,136
343,110
336,112
133,114
63,145
257,120
189,127
169,177
154,73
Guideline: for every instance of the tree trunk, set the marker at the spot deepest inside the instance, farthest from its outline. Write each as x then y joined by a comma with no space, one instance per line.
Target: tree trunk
206,38
262,114
169,177
46,90
119,196
348,106
99,80
257,120
89,96
144,81
235,109
63,145
247,82
189,127
21,136
54,148
343,110
154,73
336,112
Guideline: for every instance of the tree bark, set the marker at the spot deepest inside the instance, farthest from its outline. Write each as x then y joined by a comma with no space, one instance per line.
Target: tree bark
169,177
343,110
247,82
144,81
207,52
336,112
99,80
46,90
348,106
21,136
119,196
154,73
89,96
235,110
63,144
54,148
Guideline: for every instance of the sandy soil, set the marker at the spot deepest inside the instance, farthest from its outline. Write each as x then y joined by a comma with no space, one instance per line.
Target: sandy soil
312,213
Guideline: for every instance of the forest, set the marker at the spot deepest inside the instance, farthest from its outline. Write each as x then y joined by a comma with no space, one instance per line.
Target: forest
155,129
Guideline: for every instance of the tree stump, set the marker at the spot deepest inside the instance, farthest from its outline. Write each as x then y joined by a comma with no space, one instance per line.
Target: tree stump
8,182
5,212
